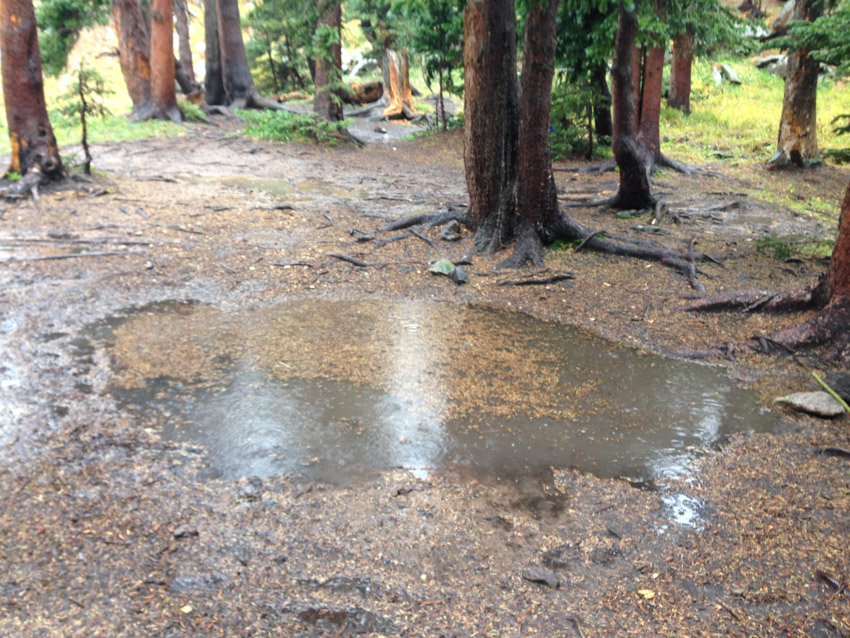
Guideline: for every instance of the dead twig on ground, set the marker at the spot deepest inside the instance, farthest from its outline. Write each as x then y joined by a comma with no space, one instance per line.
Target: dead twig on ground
349,259
103,253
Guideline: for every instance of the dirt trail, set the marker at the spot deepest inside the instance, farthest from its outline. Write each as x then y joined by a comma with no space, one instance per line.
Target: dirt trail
105,530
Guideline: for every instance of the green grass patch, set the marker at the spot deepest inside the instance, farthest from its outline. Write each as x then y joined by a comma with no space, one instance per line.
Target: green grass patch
282,126
741,123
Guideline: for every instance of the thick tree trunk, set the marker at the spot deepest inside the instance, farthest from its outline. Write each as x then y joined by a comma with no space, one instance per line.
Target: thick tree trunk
798,140
601,102
33,146
634,191
184,47
679,96
491,118
134,53
163,94
537,203
239,89
396,72
326,101
649,136
213,82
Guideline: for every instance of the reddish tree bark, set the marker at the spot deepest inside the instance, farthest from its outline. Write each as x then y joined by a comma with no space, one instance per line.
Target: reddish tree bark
798,140
134,53
326,101
396,73
33,146
163,94
679,96
491,120
649,136
634,190
188,82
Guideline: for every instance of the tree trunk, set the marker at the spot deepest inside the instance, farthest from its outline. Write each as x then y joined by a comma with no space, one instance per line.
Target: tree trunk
491,120
33,146
326,101
634,191
679,96
798,140
649,136
601,101
396,74
537,203
239,89
163,94
184,47
134,53
213,82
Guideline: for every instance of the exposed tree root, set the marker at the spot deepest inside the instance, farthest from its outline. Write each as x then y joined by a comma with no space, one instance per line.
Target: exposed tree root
529,247
428,220
828,328
750,300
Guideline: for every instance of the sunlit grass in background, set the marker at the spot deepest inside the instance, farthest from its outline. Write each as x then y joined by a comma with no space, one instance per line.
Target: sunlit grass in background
741,123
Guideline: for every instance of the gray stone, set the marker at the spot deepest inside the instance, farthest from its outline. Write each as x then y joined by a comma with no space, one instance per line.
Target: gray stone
542,576
451,231
775,64
715,73
816,403
730,74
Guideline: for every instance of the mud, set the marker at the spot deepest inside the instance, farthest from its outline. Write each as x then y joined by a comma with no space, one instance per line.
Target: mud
107,527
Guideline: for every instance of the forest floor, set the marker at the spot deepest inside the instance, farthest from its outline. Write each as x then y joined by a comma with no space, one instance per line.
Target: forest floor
106,530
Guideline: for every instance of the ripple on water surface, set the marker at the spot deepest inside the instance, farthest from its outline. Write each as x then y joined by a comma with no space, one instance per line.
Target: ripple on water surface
336,391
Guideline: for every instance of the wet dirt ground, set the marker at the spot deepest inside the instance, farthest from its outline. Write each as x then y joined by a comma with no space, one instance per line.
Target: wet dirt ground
108,529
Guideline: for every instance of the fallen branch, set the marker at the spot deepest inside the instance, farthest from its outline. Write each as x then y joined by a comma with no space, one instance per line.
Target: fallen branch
427,240
695,283
105,253
539,282
349,259
836,451
833,582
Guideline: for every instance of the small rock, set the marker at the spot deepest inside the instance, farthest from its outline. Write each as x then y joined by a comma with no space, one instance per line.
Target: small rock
451,231
250,488
463,260
380,129
459,276
185,531
816,403
543,576
148,265
444,267
729,73
715,73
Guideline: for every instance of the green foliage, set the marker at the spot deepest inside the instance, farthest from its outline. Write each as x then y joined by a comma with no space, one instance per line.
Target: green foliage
827,41
779,247
85,98
60,23
572,114
280,43
437,35
825,38
282,126
191,112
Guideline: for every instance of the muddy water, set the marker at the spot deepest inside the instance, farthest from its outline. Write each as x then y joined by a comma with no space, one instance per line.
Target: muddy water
336,391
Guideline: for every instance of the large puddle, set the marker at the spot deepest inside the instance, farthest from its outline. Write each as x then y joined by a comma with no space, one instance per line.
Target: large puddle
337,391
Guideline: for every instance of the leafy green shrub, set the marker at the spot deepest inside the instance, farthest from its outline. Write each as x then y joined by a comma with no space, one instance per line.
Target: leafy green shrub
572,119
283,126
